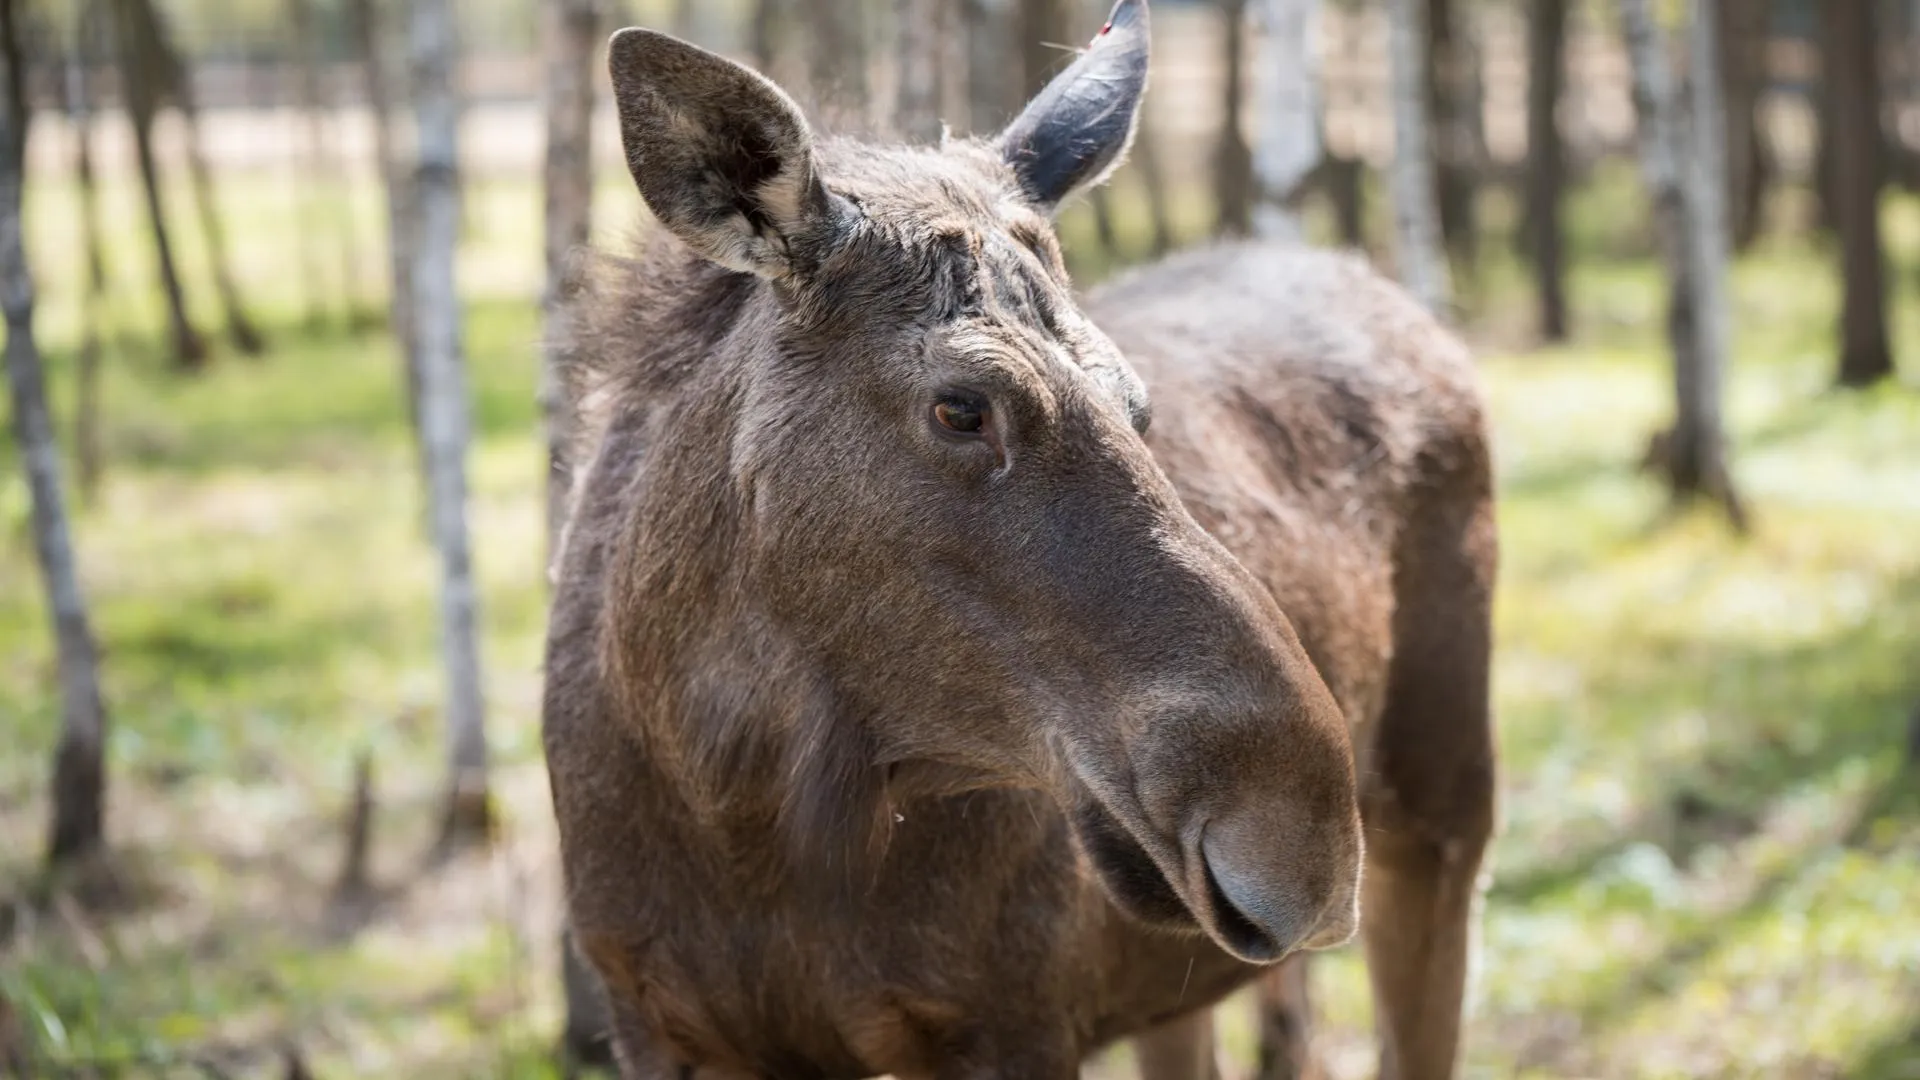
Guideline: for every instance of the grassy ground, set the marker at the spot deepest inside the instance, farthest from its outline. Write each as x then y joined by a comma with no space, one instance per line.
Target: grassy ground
1709,860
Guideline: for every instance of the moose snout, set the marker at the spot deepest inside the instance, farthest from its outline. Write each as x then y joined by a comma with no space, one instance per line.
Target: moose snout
1273,887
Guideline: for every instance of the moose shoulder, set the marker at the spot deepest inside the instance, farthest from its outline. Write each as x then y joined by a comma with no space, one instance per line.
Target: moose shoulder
947,678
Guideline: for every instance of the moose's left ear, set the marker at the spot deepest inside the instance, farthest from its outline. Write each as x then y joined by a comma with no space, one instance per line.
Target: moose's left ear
1075,131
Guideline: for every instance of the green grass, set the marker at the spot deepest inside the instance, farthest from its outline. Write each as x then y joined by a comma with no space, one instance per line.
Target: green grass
1710,856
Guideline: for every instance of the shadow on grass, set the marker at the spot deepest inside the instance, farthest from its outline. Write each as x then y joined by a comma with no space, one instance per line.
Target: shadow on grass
1784,720
1898,1058
331,396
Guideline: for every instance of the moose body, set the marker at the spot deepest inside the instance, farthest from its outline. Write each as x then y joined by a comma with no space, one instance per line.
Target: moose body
909,710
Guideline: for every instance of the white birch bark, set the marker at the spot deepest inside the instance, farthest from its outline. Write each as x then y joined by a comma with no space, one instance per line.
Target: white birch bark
79,770
572,36
1287,87
1416,213
443,397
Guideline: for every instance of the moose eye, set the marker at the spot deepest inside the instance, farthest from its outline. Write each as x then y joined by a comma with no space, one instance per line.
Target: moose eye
958,414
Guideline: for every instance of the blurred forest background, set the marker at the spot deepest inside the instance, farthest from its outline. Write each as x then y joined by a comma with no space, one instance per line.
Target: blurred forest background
272,592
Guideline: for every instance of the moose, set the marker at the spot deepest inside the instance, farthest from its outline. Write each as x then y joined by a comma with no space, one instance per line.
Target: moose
948,675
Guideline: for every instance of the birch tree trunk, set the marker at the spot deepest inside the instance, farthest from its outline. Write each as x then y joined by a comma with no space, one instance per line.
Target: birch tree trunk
1546,162
140,90
213,233
443,407
1744,26
79,769
97,316
1045,34
1680,158
1423,266
838,62
1232,158
1153,179
1287,151
1853,87
764,33
922,29
572,32
315,162
383,83
987,40
1452,97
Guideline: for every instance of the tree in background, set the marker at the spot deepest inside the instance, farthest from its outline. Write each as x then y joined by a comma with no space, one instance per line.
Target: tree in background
570,39
922,31
1045,27
1423,268
156,76
141,93
319,162
96,312
79,767
1287,153
1680,159
1546,162
435,208
1453,101
990,101
570,32
384,84
838,62
1857,172
1232,158
1744,28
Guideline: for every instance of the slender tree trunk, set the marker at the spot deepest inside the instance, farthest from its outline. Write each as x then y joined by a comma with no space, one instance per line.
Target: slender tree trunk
313,162
1546,162
572,32
1853,87
96,313
1153,179
79,769
1423,267
1345,180
991,38
240,329
1744,26
139,86
1288,153
764,32
1448,100
922,29
381,81
1232,158
1680,158
838,61
443,401
571,29
1045,36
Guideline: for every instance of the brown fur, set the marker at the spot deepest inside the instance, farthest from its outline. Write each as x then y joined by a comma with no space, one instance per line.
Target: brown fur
880,750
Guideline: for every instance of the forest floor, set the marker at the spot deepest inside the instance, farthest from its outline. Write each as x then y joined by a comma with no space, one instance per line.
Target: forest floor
1710,854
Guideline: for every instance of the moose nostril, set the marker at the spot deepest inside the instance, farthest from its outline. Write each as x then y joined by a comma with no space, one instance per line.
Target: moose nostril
1247,939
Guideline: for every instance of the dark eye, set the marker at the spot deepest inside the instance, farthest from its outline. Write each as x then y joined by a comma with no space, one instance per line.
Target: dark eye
958,414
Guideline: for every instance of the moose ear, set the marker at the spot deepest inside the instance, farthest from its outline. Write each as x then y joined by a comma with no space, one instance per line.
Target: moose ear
722,156
1076,130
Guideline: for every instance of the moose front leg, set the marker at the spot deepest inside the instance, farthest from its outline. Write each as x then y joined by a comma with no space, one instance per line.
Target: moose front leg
1179,1050
1285,1022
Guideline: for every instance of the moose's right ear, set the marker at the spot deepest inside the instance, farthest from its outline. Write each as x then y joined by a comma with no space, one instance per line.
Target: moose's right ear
722,156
